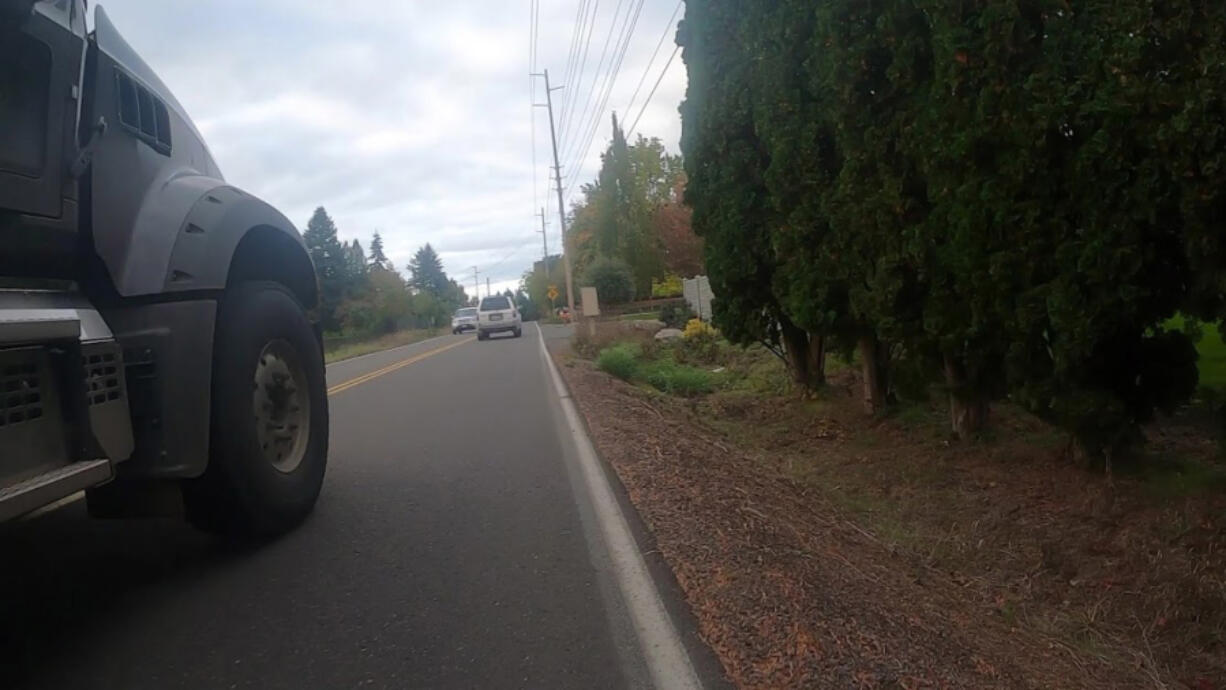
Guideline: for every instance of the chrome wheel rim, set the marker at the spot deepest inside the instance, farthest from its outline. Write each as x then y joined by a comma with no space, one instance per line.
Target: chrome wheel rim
282,407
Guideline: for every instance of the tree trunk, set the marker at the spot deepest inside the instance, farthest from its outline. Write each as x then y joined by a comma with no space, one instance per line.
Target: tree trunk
968,409
806,356
873,365
817,359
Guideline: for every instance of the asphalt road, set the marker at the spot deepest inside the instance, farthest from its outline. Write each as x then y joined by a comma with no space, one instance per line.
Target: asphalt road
454,546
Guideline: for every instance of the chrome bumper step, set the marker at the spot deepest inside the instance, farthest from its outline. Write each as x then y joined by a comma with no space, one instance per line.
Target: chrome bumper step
35,492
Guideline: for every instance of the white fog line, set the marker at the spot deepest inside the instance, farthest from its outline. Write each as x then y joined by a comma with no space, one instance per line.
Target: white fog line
663,651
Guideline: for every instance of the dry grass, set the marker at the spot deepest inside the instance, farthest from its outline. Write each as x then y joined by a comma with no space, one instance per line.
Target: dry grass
1128,572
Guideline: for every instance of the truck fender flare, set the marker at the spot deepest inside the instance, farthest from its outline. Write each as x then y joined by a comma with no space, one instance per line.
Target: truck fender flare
219,222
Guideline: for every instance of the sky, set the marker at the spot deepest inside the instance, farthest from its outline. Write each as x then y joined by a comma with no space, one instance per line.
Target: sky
413,118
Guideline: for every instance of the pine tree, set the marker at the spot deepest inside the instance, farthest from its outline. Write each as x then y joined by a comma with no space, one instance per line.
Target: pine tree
377,258
355,259
331,266
426,273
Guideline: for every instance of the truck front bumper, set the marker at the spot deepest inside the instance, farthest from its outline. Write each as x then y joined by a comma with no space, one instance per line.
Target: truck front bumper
64,418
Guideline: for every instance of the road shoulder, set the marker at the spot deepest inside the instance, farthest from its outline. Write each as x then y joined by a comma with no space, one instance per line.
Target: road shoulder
672,653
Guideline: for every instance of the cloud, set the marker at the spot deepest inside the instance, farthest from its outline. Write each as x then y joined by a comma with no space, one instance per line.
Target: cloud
412,118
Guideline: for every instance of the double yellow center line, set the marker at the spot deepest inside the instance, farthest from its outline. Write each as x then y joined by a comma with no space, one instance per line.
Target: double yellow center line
393,367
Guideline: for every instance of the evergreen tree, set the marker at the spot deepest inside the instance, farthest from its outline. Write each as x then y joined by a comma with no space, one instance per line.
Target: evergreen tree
726,164
456,297
355,261
1012,196
330,265
628,188
377,258
426,275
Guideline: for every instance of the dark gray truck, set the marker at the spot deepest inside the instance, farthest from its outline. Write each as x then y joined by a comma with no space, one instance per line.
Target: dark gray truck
157,348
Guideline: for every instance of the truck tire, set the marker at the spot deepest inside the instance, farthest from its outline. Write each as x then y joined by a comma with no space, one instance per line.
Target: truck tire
269,428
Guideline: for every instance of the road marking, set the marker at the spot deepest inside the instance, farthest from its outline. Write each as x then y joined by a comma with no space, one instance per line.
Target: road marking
662,649
340,387
384,352
73,498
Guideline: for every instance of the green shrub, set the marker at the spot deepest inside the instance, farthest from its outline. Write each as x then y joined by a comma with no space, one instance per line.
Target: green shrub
652,362
620,361
650,349
613,280
699,343
678,379
676,315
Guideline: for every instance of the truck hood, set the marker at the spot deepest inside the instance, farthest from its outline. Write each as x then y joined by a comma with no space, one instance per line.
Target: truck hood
112,42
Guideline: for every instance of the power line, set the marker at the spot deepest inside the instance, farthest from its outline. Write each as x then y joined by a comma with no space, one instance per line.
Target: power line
569,76
604,52
567,111
600,80
610,81
580,157
653,90
490,271
572,53
579,160
532,116
513,252
533,35
671,22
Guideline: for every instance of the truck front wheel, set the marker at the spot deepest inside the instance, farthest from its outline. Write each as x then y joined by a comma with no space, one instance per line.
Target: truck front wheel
269,429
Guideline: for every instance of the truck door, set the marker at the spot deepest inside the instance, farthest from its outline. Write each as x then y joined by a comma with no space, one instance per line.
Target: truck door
149,143
41,49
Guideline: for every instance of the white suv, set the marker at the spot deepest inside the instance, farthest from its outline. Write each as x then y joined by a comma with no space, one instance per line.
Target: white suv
497,314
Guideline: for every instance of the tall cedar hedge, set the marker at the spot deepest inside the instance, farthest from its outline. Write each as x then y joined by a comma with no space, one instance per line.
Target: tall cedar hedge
1012,196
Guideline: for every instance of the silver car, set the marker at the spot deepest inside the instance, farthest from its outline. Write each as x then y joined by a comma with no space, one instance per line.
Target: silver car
497,314
464,320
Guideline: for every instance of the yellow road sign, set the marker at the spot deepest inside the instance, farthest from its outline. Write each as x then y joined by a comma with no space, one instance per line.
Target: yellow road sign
553,292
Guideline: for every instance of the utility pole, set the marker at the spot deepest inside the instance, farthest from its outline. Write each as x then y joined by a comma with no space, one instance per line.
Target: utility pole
544,246
487,287
476,285
557,176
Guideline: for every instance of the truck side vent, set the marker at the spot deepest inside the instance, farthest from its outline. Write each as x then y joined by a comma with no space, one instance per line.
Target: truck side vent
102,378
21,398
143,113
